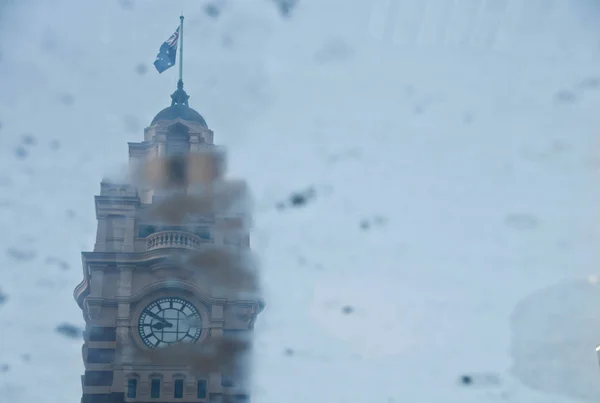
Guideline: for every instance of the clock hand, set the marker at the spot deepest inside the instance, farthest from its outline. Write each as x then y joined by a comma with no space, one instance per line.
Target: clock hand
155,316
160,326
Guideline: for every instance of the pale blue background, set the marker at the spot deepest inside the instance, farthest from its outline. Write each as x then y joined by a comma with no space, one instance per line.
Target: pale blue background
470,127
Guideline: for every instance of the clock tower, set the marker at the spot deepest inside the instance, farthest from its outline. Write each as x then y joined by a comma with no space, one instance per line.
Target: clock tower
170,292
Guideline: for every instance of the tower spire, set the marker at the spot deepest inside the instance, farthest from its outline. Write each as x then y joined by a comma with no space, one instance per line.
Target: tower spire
180,97
181,48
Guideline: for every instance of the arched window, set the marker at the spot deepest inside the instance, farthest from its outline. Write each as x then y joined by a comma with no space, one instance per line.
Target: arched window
201,389
155,385
176,170
178,384
132,384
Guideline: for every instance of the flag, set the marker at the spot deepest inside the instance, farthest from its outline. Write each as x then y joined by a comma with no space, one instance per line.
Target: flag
167,53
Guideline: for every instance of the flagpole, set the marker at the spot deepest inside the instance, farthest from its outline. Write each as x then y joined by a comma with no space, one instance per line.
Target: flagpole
181,49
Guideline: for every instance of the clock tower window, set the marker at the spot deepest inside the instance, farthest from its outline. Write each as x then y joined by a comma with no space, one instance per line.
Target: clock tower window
100,355
178,389
98,378
177,170
102,334
131,388
155,388
201,394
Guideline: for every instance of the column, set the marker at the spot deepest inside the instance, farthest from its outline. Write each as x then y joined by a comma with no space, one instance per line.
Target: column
124,315
194,142
128,241
100,245
96,282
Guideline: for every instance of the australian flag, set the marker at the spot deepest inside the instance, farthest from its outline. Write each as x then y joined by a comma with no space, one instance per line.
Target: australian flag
167,53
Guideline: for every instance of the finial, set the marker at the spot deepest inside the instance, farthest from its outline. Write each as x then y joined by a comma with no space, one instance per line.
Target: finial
179,97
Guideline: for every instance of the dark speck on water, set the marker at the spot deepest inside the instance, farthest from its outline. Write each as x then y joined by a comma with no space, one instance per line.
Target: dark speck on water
141,69
28,139
466,380
566,96
285,6
212,10
69,330
298,199
20,254
301,198
126,4
58,262
21,152
67,99
347,310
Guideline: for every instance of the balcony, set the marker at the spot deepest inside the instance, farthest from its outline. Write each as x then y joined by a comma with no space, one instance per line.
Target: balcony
173,239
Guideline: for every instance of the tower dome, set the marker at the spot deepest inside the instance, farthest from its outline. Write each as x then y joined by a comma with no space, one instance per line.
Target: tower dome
179,109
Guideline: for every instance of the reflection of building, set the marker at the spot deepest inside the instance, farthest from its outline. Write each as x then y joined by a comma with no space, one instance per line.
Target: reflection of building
169,279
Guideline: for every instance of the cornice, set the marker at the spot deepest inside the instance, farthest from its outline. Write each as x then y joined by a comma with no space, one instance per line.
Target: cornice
163,258
252,307
106,204
194,128
143,145
162,286
112,259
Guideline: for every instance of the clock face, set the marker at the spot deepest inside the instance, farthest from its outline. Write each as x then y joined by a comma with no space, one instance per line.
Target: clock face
169,320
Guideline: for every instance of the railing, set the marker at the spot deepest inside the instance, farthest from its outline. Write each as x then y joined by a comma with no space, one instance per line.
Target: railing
172,239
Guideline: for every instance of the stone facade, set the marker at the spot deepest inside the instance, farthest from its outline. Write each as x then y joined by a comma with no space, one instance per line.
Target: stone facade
170,292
